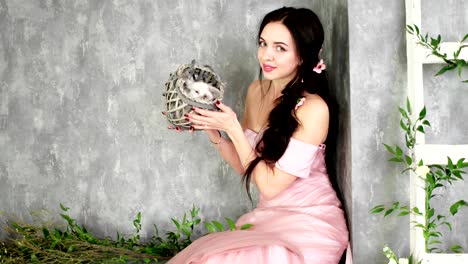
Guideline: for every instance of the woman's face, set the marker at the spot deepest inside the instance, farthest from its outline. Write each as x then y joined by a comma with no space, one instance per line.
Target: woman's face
277,53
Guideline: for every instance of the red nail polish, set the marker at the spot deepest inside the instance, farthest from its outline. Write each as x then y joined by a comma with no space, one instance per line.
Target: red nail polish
187,119
163,113
177,129
186,115
217,102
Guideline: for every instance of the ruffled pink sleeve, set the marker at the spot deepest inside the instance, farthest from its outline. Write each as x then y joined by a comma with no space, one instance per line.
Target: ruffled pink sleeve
298,158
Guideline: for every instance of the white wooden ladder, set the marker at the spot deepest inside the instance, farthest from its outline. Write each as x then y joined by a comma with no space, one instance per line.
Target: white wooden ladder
417,56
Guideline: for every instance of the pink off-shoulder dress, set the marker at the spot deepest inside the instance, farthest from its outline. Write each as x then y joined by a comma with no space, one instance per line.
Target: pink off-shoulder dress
302,224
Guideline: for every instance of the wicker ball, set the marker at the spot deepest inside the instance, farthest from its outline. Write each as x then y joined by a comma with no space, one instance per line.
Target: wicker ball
191,85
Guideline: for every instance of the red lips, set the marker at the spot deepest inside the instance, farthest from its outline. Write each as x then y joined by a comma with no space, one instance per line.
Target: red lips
267,68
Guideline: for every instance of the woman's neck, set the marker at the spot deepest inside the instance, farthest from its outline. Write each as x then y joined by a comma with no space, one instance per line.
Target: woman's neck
277,86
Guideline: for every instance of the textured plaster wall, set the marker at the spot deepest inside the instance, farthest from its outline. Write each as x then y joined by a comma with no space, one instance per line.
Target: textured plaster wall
378,85
80,105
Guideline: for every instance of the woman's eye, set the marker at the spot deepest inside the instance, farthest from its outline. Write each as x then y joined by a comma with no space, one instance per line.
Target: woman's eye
279,48
262,44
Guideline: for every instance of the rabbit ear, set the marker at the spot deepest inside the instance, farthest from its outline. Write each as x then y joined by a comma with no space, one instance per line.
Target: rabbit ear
215,92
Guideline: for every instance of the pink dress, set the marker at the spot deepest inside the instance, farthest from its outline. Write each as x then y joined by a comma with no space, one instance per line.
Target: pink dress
302,224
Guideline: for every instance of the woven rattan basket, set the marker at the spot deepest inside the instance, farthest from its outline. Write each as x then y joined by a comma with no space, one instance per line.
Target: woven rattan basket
191,85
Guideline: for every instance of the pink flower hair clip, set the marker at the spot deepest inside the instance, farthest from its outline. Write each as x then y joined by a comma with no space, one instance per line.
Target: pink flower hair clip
300,102
320,67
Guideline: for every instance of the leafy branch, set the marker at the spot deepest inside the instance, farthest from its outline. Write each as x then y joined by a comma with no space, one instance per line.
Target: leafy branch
433,44
75,244
433,176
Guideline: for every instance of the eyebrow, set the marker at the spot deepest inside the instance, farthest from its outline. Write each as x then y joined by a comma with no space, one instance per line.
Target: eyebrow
277,42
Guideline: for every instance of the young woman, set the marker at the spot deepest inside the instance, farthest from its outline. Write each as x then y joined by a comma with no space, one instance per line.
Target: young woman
280,144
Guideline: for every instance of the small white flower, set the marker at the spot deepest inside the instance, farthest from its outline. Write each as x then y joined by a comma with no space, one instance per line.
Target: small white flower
403,261
422,171
392,261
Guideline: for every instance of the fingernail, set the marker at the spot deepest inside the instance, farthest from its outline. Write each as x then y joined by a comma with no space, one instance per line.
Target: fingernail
217,102
186,115
191,130
169,127
187,119
178,129
163,113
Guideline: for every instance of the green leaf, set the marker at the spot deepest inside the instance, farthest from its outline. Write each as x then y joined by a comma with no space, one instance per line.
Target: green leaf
389,149
411,30
403,126
464,38
422,114
456,206
231,224
408,160
430,213
396,205
408,105
210,227
420,163
448,67
435,242
434,234
403,113
218,225
377,209
177,224
450,163
246,226
421,129
430,179
456,248
420,226
64,208
460,163
416,211
388,212
426,123
416,29
186,231
403,213
46,233
399,151
194,211
396,159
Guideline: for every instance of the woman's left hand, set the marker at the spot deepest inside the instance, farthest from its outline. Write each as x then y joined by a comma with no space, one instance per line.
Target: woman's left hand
224,120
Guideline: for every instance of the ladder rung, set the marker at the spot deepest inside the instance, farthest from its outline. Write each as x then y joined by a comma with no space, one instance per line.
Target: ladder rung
439,258
423,55
437,154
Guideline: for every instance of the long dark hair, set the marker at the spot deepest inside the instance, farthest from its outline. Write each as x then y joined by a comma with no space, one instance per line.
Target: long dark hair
307,32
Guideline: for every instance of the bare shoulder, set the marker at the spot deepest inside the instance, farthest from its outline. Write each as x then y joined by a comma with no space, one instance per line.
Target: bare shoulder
254,88
313,118
313,105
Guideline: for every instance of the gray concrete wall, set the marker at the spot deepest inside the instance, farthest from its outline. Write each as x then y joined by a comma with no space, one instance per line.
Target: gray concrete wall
378,86
80,105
